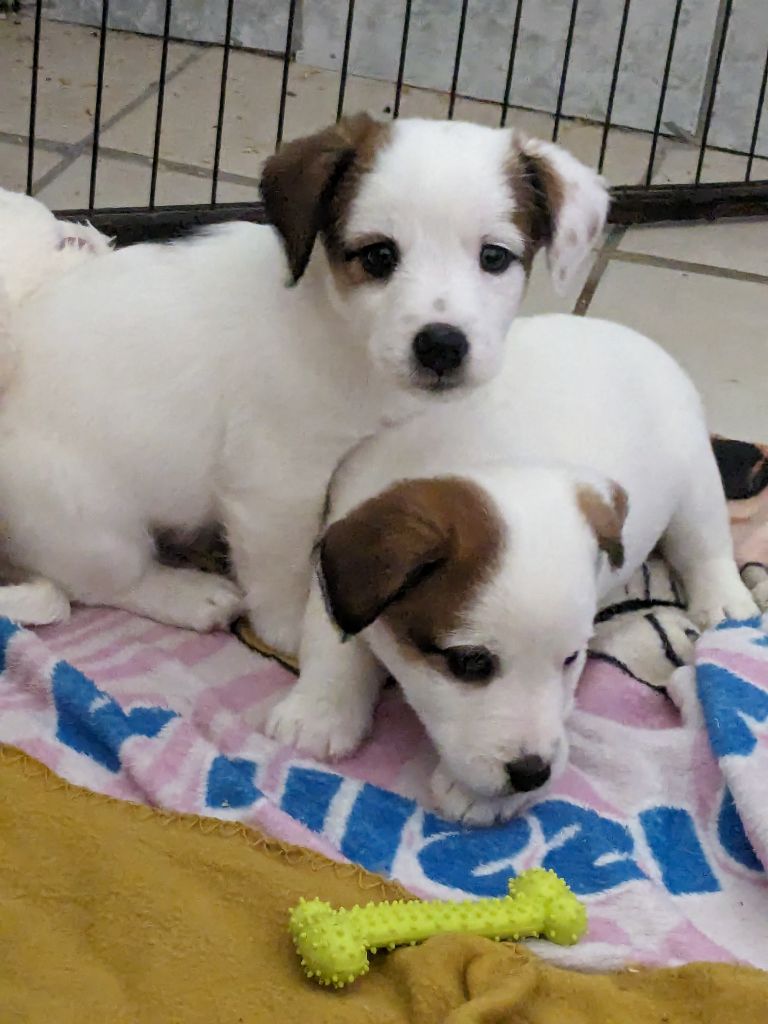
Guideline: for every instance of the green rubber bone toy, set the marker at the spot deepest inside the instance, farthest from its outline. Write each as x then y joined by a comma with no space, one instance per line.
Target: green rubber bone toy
334,944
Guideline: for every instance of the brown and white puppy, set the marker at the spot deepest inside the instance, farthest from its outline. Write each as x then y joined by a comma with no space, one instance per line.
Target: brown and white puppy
469,550
192,386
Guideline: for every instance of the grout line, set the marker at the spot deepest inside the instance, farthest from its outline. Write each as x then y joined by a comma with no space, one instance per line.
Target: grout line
194,170
77,149
47,145
615,235
167,164
667,263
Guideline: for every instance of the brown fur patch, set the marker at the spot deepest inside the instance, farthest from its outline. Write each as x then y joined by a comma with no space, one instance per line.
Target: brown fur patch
605,519
538,192
415,554
308,184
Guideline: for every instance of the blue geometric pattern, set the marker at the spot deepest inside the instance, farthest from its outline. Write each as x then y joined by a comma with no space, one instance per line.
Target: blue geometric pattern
93,723
595,851
728,702
230,782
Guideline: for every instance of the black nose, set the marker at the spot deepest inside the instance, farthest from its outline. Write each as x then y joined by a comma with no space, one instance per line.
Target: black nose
528,773
440,347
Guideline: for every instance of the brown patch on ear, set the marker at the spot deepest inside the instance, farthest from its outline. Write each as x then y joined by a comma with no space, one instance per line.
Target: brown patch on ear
415,554
606,519
309,183
538,192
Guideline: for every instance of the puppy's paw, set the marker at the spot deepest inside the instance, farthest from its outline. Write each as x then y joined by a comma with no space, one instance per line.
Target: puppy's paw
760,594
318,727
755,576
278,627
455,802
37,602
724,600
204,602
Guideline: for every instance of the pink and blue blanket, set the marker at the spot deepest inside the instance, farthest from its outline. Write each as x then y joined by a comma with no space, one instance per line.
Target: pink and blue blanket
660,822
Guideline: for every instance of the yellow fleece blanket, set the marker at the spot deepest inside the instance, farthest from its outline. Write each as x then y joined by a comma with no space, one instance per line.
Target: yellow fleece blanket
114,913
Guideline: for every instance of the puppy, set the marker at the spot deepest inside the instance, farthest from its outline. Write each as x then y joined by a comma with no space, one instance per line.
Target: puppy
468,552
222,378
35,249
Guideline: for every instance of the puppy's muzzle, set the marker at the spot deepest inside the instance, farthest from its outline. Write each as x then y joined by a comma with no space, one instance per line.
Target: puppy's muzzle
528,773
441,349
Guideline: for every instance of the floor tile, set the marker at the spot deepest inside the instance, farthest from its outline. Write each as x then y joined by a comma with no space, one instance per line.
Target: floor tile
541,296
191,111
716,327
737,245
678,161
252,101
626,153
67,76
13,164
126,183
253,93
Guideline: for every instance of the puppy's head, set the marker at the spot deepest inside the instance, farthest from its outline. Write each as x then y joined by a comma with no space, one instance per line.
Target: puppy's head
479,597
430,228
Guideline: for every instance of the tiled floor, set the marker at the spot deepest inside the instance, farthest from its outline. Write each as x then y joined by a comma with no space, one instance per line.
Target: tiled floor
700,290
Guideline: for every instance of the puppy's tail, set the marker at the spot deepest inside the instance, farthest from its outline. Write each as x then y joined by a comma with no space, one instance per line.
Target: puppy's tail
36,602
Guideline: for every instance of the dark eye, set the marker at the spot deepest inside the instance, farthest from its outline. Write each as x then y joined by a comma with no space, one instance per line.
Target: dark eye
470,664
379,260
495,259
570,659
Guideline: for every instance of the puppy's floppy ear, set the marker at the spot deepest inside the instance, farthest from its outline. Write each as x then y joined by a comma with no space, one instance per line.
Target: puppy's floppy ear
382,550
606,518
563,204
300,182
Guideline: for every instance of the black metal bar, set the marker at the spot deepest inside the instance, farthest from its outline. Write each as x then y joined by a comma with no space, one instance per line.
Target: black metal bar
97,106
286,70
758,117
663,93
637,204
631,204
713,91
160,102
457,59
33,98
222,101
564,74
511,63
614,83
345,59
401,65
130,225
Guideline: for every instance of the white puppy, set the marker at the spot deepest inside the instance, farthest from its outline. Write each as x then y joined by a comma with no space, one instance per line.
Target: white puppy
35,248
168,386
468,552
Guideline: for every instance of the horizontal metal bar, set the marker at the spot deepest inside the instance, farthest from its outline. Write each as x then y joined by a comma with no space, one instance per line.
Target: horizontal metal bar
633,204
128,225
638,204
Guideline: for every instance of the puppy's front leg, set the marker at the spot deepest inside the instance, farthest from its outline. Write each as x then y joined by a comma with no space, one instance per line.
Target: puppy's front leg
329,711
271,557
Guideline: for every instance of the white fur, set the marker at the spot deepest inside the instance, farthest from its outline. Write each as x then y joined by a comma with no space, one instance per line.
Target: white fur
174,385
578,402
35,246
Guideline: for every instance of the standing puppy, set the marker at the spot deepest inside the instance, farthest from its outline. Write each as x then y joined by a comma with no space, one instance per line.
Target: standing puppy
468,552
221,379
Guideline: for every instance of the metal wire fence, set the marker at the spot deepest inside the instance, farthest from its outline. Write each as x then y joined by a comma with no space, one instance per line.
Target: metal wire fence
642,201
